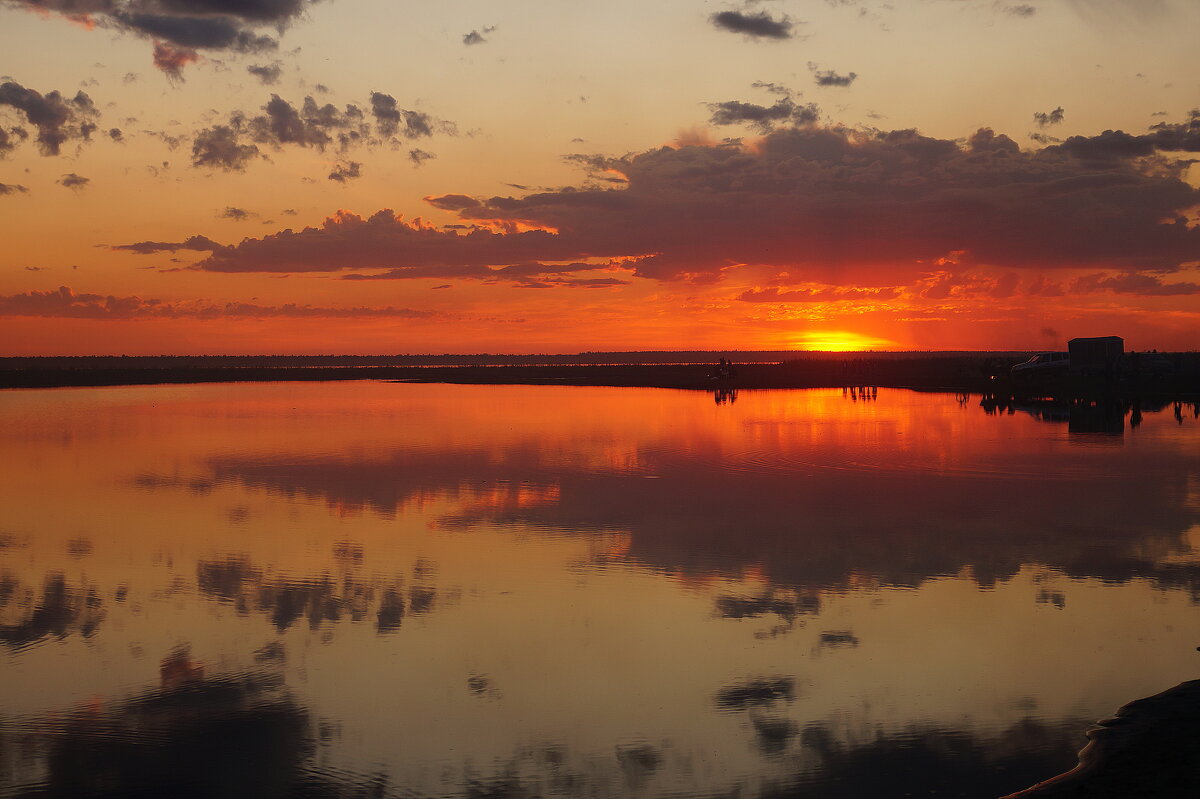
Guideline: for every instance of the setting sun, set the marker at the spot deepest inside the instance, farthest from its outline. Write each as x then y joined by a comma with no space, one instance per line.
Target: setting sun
841,341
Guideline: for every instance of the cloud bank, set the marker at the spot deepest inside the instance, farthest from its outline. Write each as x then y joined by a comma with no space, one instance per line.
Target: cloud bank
65,303
824,203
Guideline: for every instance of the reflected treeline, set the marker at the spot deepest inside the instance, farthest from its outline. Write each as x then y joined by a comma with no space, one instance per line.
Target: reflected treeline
923,760
411,475
834,529
246,735
1105,415
759,692
799,524
318,599
29,615
194,736
864,393
810,761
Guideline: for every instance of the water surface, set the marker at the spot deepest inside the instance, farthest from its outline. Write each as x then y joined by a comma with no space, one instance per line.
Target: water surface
379,589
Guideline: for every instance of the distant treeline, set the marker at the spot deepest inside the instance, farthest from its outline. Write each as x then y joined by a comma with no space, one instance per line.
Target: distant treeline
979,372
650,357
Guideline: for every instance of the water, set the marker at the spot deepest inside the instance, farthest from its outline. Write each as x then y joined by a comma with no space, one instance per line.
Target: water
379,589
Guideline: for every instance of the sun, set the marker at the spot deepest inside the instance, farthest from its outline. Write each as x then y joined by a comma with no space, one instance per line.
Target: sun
840,341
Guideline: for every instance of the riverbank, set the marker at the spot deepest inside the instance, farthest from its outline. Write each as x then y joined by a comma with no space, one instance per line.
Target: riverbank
1147,749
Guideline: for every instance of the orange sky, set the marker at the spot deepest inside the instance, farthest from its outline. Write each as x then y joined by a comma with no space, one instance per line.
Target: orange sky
359,178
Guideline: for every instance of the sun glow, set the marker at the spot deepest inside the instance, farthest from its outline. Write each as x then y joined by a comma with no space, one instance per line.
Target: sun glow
841,341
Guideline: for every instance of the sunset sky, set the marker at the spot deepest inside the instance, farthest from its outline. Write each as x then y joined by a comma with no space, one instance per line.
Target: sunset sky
375,176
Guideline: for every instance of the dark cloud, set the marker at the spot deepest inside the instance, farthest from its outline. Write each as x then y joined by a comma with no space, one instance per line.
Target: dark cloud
453,202
58,119
828,204
73,181
199,243
66,303
1042,138
1022,10
759,26
827,77
219,147
1045,119
344,171
382,241
475,37
763,118
1132,283
387,115
419,157
233,144
284,124
7,144
179,28
116,135
171,59
12,188
236,214
392,120
269,73
216,33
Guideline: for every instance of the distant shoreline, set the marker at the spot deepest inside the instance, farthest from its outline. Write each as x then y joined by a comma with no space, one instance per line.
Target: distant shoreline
974,372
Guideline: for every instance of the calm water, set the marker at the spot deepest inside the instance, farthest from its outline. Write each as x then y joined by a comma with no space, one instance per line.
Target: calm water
374,589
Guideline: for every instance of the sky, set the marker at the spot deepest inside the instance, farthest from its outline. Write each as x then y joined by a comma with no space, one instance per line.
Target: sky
377,177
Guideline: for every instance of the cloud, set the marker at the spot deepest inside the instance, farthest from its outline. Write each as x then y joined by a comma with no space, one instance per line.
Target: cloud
234,144
1131,283
828,77
828,204
179,28
1048,118
236,214
1115,147
828,294
171,59
73,181
66,303
757,26
344,171
116,135
199,243
1022,10
419,157
9,139
389,118
268,74
12,188
763,118
57,119
220,147
475,37
453,202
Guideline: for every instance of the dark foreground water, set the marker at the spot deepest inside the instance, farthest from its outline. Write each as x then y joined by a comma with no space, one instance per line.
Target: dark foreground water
374,589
